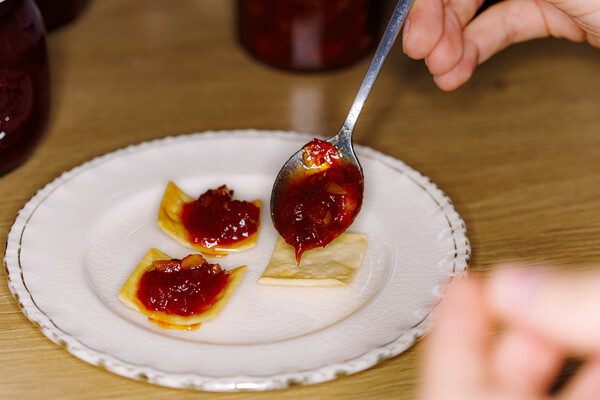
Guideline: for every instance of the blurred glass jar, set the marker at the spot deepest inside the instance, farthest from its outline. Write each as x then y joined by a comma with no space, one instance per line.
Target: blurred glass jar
24,81
57,13
308,35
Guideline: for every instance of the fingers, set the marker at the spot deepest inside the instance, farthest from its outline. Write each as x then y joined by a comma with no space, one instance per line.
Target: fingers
449,49
523,363
585,14
442,32
515,21
585,385
546,315
423,28
462,71
559,306
433,32
456,348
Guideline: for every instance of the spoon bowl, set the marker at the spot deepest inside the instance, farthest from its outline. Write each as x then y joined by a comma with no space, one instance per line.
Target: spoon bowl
297,165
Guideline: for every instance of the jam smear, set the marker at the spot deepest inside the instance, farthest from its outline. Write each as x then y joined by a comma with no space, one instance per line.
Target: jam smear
215,219
318,206
183,287
166,325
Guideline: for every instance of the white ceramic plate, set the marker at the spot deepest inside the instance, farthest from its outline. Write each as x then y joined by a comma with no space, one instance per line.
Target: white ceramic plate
76,241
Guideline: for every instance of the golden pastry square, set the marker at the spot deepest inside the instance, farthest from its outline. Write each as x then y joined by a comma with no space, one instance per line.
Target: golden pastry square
128,296
169,220
333,265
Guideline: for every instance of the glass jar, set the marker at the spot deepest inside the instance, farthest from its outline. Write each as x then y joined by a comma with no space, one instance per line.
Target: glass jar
57,13
308,35
24,81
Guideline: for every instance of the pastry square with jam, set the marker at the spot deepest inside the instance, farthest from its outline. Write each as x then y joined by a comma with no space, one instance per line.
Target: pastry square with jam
214,224
179,293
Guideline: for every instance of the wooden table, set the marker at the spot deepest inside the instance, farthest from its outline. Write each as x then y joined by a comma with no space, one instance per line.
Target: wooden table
516,149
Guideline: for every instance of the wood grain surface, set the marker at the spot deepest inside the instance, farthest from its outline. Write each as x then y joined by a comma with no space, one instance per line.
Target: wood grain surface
516,149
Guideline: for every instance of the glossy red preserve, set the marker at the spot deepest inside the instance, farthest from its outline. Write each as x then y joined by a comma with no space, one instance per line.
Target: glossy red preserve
216,219
308,35
173,287
24,81
316,207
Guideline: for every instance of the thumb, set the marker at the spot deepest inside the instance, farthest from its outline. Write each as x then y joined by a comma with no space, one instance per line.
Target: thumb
561,306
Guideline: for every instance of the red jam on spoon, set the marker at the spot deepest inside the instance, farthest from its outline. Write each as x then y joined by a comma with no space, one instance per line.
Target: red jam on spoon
320,203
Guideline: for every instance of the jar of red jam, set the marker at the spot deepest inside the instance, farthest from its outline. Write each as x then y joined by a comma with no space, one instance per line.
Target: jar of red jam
24,81
57,13
308,35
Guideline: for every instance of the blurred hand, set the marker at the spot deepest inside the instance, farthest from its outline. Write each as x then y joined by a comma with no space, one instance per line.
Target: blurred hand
545,317
444,33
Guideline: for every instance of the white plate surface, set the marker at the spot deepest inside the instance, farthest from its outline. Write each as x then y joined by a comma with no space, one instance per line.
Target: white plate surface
77,240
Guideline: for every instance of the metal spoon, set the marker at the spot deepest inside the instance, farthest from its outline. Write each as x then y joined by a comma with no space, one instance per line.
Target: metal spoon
343,140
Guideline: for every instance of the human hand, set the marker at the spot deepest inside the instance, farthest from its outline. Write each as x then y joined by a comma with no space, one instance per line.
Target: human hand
545,316
453,43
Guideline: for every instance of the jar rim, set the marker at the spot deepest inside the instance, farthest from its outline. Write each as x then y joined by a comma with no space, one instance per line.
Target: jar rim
6,6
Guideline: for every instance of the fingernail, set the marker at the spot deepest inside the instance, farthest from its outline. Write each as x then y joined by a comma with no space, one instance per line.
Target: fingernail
405,33
515,286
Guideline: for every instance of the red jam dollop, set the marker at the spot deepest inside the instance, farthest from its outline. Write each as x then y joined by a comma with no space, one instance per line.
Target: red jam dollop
182,287
215,219
316,207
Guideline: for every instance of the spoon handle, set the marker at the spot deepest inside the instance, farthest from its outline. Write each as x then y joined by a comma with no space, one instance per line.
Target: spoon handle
388,39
